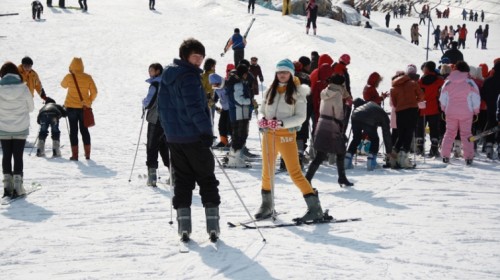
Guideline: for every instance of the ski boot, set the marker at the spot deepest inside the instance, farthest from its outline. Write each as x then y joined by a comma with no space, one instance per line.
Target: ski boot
184,223
56,148
40,149
348,161
420,146
403,160
489,150
434,148
18,186
8,185
314,211
266,208
457,149
446,160
371,162
235,159
151,177
212,216
468,162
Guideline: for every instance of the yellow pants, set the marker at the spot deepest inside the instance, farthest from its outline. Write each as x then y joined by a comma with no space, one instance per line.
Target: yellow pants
284,142
286,9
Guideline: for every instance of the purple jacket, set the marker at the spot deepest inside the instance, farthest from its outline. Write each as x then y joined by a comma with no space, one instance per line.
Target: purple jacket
460,96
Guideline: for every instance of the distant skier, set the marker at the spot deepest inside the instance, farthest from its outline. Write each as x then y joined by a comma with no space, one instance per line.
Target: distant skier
312,15
49,116
152,5
257,73
398,29
238,44
251,4
286,9
37,9
368,25
83,5
387,19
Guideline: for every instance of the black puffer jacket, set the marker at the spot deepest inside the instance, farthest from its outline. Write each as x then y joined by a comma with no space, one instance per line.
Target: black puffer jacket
372,114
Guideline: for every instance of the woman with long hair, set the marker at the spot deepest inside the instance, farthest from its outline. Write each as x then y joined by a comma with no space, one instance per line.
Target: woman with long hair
16,102
283,111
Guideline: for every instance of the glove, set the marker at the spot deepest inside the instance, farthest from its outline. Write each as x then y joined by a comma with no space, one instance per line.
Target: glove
43,95
49,100
274,124
422,105
263,123
207,140
211,102
218,110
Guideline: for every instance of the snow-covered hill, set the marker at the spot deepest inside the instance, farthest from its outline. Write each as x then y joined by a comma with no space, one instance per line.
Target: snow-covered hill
89,222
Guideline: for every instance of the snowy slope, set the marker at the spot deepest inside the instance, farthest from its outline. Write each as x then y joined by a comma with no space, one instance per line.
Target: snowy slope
89,222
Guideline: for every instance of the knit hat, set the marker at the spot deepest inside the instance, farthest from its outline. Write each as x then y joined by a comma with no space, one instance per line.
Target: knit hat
285,65
304,60
411,69
444,60
345,58
237,30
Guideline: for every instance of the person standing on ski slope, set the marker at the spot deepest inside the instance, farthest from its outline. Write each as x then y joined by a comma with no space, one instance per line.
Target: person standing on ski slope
490,94
437,35
224,122
312,15
238,44
387,19
49,116
37,9
185,118
16,103
286,8
251,4
282,113
478,35
152,5
208,69
460,100
431,84
74,104
302,70
370,92
239,91
256,71
340,68
30,77
329,137
156,141
83,5
462,36
405,96
317,84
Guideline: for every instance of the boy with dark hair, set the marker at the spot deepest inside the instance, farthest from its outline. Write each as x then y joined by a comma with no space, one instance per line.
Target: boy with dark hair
238,44
185,118
49,116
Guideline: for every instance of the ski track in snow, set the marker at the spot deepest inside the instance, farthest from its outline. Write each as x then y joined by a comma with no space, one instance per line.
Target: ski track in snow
89,222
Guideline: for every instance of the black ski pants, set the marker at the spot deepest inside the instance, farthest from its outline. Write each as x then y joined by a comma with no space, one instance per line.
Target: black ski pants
406,122
75,119
239,55
240,134
83,4
193,164
151,4
433,122
224,123
303,133
157,142
251,4
357,133
13,149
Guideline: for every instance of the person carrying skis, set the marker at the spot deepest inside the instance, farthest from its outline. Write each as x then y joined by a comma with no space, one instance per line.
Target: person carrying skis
36,9
224,122
16,103
460,101
30,77
312,15
156,141
329,135
49,116
81,93
238,44
431,84
282,113
405,96
185,118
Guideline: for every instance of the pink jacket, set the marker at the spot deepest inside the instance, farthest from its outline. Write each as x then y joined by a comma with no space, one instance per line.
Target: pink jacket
460,96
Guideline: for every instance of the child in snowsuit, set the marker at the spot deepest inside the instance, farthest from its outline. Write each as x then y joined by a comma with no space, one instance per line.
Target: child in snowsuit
49,116
460,101
224,122
156,139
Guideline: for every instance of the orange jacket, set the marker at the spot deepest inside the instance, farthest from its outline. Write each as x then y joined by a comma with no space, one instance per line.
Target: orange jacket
31,79
405,93
85,83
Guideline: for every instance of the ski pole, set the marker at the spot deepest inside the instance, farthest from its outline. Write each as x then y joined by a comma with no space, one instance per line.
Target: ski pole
271,167
34,144
136,149
425,135
171,184
237,194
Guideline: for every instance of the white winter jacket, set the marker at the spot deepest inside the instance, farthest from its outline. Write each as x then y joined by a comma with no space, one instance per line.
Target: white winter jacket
292,115
16,102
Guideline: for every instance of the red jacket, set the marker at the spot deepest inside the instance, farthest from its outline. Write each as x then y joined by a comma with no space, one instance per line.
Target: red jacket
431,86
324,58
370,92
462,34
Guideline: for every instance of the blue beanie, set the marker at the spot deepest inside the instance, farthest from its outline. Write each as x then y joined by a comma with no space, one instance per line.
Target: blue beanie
214,79
445,60
285,65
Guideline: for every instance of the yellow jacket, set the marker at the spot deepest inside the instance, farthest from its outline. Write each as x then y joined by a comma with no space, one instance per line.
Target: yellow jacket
206,84
85,83
31,79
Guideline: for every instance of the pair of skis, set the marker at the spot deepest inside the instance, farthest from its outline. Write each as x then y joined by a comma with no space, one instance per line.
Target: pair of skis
474,138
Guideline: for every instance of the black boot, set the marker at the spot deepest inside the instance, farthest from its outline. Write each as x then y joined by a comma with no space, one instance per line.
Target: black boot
311,170
343,182
314,210
266,208
184,223
212,216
